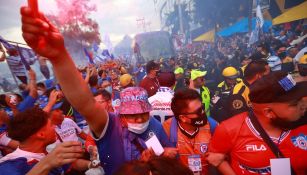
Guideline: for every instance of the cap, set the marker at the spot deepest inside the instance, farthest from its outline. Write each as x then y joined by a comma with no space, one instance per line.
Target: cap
197,73
134,100
179,70
278,86
125,80
49,83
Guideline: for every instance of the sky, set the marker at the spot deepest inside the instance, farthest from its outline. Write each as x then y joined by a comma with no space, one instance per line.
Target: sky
116,18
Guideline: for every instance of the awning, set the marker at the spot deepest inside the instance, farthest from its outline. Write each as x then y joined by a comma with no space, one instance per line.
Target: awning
242,27
295,13
208,36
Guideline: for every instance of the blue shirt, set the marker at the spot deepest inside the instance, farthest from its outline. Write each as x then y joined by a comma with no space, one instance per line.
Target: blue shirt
42,101
116,147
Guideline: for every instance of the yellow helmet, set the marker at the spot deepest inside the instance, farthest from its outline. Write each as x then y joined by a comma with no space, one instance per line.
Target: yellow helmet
303,59
230,72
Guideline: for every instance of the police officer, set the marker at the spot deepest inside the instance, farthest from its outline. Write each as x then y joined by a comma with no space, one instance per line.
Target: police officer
230,75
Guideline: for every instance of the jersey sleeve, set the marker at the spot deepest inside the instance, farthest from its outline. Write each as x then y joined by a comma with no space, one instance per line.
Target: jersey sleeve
221,142
4,139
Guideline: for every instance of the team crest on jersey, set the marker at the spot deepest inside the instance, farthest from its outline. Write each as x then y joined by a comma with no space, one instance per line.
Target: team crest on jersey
203,148
300,141
237,104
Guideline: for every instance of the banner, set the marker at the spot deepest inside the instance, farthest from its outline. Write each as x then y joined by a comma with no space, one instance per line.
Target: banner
259,24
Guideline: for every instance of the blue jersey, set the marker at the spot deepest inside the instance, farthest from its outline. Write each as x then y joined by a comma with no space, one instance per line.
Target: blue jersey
117,146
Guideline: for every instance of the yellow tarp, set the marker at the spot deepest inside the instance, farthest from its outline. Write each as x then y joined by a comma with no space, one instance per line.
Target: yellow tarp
295,13
208,36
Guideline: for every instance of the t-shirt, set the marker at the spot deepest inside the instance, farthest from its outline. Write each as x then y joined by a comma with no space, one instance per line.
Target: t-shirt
187,146
68,130
4,141
116,144
274,63
21,162
249,154
161,104
151,85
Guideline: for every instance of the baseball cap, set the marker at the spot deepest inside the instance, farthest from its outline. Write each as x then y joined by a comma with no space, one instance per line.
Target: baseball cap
134,100
179,70
197,73
277,87
125,80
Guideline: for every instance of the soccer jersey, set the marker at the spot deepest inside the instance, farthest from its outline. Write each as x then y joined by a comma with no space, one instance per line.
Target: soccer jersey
116,145
249,154
20,162
191,146
68,130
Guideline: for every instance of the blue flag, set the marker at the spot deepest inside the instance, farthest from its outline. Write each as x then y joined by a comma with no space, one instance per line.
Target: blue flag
88,55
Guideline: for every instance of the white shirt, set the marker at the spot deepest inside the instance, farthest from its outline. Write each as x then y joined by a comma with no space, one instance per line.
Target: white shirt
4,140
21,153
68,130
161,103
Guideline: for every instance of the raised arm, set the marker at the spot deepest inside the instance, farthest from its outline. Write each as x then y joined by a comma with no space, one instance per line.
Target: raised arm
47,41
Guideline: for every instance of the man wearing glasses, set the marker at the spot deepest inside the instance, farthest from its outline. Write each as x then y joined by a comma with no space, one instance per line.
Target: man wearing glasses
190,130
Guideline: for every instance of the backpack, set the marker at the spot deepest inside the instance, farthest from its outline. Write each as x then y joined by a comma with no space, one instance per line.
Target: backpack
174,129
228,106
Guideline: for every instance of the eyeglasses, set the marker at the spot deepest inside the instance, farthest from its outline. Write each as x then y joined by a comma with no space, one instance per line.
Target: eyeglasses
199,111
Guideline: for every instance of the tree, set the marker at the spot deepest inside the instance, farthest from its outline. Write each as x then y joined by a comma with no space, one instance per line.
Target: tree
173,21
73,20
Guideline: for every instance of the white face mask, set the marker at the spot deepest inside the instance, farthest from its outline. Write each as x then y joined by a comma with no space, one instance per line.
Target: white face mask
40,92
138,128
109,89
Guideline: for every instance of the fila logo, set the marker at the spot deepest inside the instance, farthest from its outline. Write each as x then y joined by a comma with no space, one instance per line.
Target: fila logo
255,148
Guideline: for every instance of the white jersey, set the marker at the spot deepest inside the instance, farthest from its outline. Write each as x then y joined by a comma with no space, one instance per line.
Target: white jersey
68,130
161,103
4,141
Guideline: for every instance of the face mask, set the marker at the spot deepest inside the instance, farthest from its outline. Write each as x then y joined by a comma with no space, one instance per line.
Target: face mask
201,120
40,92
138,128
13,100
109,89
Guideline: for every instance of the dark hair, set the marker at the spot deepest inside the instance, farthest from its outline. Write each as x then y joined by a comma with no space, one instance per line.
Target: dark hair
279,46
100,72
155,166
27,123
93,80
167,79
106,95
181,99
3,102
41,84
253,68
151,65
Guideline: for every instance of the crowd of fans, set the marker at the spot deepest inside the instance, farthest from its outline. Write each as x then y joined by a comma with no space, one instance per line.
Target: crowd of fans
227,110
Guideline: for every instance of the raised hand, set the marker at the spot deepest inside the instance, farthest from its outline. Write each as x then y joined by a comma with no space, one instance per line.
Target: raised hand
41,35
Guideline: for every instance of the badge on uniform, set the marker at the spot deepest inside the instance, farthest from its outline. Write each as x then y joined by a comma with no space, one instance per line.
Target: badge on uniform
194,162
237,104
